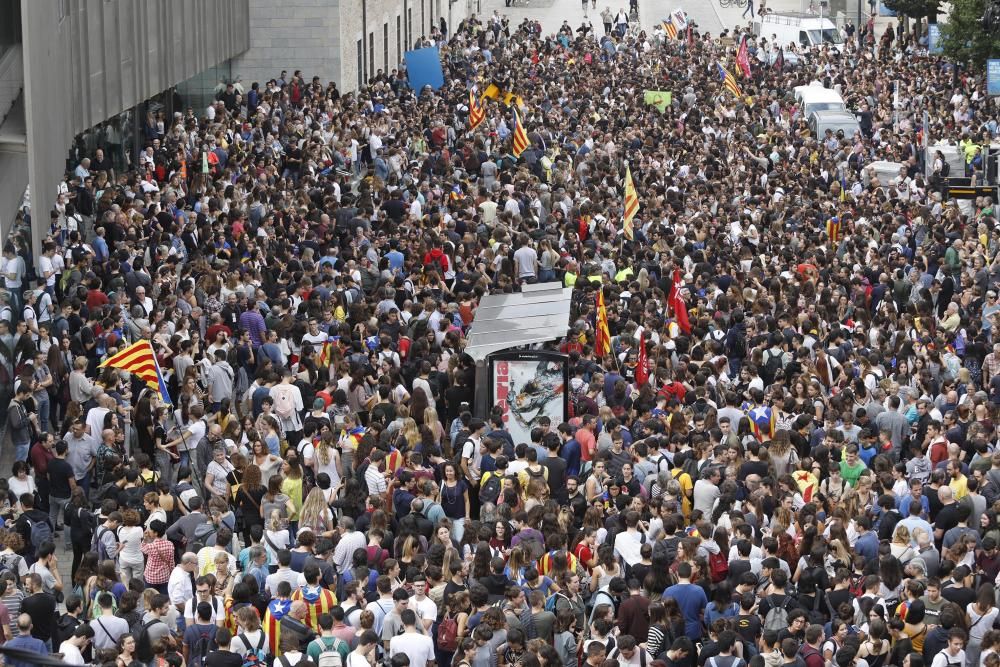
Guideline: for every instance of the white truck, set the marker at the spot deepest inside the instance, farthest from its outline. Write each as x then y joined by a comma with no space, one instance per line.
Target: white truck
802,29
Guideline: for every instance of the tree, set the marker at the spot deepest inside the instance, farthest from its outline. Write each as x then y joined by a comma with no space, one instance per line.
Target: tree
964,39
915,9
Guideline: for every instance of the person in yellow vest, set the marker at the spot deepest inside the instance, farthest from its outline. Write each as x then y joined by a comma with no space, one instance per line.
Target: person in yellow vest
570,276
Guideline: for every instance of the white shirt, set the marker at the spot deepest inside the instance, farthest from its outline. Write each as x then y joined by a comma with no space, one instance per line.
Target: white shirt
944,658
71,654
217,608
419,648
425,609
179,587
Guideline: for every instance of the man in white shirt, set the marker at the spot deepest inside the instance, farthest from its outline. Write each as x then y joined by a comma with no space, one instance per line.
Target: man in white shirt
203,593
181,585
419,648
72,648
628,544
954,654
426,609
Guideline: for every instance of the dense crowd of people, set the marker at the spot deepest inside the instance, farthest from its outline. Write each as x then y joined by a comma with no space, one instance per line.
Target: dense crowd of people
804,474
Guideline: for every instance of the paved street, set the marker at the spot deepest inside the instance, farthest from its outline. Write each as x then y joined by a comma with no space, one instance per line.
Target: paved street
709,15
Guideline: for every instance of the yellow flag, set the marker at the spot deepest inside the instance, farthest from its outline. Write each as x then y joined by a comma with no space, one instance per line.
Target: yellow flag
660,99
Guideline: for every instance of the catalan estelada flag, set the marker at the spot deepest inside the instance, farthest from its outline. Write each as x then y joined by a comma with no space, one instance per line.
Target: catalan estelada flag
833,230
729,81
670,29
762,422
139,359
520,137
602,338
477,114
631,204
276,610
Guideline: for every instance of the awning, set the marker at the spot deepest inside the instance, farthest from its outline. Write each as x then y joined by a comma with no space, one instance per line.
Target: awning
537,314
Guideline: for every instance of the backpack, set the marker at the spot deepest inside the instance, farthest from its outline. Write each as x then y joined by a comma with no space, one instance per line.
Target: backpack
202,647
328,656
550,602
777,615
718,567
202,532
12,565
41,532
64,628
738,345
857,587
284,404
533,546
143,644
447,634
772,364
255,657
489,492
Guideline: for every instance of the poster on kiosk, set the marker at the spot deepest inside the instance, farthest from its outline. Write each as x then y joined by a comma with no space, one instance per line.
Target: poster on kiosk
527,386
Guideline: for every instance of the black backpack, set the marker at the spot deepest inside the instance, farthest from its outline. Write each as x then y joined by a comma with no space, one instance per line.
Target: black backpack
143,643
64,628
490,490
772,364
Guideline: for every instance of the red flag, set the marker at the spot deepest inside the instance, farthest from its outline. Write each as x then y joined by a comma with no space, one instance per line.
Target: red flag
677,304
690,37
642,368
743,57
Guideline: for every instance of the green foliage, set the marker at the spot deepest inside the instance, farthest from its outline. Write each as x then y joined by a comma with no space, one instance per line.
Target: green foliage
915,9
963,38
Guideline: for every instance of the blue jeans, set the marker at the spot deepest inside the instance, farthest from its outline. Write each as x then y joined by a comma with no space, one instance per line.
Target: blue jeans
43,412
21,451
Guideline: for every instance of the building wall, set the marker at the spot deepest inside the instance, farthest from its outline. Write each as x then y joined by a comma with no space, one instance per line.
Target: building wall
291,35
87,60
322,37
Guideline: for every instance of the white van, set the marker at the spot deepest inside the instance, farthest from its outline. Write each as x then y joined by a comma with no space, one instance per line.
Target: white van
817,98
821,121
805,30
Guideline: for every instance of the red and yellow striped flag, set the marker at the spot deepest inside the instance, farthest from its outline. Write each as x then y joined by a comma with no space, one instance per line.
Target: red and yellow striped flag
325,354
139,359
729,81
833,230
477,114
602,339
520,141
670,29
631,203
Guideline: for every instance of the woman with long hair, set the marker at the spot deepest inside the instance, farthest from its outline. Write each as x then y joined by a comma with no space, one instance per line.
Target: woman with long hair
276,538
126,651
261,456
292,486
248,500
517,564
980,616
875,649
607,568
455,498
327,459
458,609
316,516
81,524
104,581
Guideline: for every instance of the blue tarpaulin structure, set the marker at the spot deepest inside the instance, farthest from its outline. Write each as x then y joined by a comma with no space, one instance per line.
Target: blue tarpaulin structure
423,68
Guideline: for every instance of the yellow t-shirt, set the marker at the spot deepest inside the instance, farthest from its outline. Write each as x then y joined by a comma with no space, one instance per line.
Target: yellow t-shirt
960,487
293,489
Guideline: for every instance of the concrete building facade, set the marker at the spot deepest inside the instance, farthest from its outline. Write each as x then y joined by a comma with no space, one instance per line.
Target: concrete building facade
83,61
69,65
347,41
